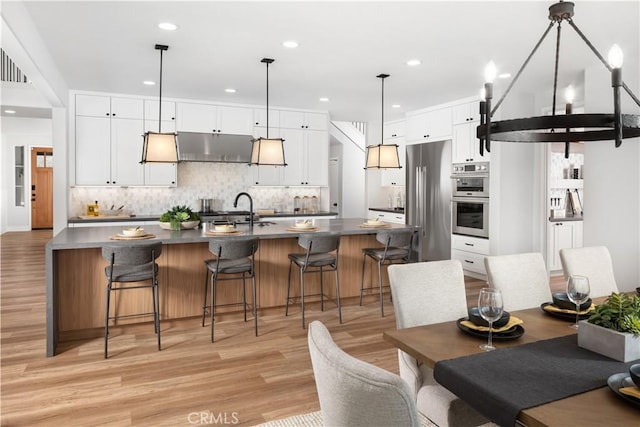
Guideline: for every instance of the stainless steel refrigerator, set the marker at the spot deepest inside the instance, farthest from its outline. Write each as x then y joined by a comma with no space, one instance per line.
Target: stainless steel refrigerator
428,200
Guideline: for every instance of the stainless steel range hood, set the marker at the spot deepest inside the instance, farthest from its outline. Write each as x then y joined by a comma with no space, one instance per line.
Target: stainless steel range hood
213,147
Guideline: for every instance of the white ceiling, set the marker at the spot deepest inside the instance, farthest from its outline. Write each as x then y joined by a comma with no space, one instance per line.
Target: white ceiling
109,46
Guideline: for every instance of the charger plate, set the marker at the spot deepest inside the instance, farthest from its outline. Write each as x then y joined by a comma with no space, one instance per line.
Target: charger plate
123,237
224,233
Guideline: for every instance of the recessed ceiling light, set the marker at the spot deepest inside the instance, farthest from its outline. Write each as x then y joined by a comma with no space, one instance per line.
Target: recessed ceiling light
290,44
324,99
10,111
413,62
396,106
230,90
148,83
167,26
504,75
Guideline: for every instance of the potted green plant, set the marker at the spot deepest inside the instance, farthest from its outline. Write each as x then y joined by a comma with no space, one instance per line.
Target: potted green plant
179,218
613,329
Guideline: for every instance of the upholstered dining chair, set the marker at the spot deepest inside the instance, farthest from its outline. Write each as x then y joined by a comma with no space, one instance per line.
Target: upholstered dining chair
356,393
522,278
425,293
593,262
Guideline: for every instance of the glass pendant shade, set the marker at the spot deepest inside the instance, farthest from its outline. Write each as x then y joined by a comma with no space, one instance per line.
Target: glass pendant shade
268,151
159,148
383,156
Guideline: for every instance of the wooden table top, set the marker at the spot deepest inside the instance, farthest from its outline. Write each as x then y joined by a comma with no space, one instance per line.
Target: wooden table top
432,343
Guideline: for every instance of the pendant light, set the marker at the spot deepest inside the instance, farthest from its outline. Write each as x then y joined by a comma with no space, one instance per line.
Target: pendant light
267,151
565,127
160,147
382,156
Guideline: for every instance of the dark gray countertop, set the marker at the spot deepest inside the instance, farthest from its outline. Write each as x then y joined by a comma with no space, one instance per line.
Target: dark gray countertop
569,218
392,210
137,218
95,237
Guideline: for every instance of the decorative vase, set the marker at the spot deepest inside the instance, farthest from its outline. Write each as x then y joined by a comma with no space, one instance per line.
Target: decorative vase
621,346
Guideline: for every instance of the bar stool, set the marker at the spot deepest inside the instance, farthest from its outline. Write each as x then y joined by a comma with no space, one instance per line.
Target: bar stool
397,250
234,255
128,263
321,255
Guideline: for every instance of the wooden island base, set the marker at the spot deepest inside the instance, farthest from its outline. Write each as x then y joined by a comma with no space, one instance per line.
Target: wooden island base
78,283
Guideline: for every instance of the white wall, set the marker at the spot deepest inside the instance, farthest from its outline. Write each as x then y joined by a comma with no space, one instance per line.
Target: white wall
29,133
612,180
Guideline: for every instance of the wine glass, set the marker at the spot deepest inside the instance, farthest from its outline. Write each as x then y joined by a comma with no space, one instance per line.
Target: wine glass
490,307
578,292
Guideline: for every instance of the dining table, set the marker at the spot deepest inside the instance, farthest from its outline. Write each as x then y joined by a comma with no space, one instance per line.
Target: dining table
445,343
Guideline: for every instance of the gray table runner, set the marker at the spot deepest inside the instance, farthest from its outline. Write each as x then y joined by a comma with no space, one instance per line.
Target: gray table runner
501,383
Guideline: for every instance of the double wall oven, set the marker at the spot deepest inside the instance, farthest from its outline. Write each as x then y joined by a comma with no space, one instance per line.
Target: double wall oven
470,202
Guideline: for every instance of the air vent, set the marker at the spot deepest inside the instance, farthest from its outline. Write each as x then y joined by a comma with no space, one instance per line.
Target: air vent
9,71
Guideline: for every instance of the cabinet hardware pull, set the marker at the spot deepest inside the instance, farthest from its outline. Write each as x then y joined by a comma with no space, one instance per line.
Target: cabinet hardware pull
469,244
470,262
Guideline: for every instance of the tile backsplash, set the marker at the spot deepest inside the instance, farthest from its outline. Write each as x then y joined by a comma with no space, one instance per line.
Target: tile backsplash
218,181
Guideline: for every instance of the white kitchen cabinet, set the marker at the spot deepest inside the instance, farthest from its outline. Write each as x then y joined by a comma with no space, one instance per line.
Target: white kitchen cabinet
392,217
260,118
395,176
168,112
470,251
303,120
209,118
465,147
106,106
561,235
467,112
160,174
432,125
109,140
266,175
394,129
307,157
93,150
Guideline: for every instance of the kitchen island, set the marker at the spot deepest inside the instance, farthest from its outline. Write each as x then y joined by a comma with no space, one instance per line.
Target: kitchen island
76,284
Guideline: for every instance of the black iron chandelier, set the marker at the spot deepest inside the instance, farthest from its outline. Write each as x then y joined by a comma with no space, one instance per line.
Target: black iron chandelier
573,127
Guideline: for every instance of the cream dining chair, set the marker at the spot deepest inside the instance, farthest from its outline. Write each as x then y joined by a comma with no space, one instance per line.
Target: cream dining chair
425,293
522,278
593,262
356,393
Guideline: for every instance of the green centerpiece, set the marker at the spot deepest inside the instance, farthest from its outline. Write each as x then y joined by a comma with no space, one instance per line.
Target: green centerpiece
613,329
179,218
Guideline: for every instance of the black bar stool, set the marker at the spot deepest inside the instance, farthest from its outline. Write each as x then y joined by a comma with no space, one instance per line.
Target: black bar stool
234,255
128,263
396,250
321,255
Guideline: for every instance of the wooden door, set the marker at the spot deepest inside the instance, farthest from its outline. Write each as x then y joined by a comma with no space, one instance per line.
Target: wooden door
41,187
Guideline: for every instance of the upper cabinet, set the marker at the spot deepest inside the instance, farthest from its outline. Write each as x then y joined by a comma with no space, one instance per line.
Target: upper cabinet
425,126
108,142
307,156
394,134
467,112
106,106
168,111
394,129
465,146
303,120
260,117
207,118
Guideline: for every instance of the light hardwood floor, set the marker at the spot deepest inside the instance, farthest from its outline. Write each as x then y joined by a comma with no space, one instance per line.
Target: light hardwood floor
240,379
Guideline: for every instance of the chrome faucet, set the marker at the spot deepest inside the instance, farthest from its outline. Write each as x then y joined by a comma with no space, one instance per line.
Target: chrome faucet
235,205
